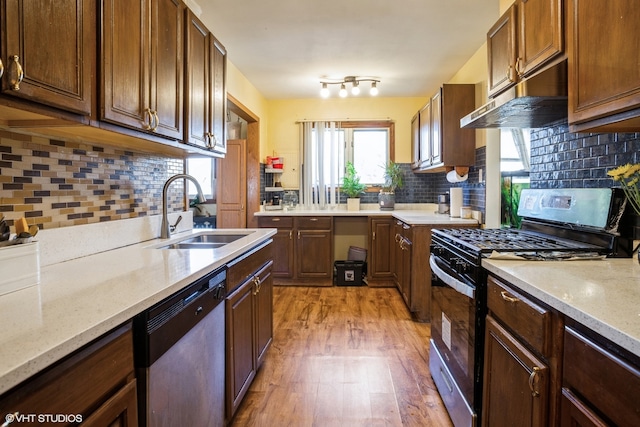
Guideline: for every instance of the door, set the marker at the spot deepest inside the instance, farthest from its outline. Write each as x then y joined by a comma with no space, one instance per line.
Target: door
516,382
218,97
198,83
313,249
54,44
425,136
436,128
540,34
232,186
264,312
381,264
501,51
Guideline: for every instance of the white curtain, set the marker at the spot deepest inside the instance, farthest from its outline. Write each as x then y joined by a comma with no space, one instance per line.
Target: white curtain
320,148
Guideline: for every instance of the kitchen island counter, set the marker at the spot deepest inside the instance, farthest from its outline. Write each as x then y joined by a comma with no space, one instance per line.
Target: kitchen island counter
81,299
602,295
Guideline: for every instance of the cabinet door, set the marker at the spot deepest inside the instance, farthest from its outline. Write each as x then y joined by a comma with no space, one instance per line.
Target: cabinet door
574,413
397,253
167,65
540,35
436,128
54,42
241,361
314,254
604,76
219,97
405,283
264,312
198,83
501,51
425,136
283,248
382,249
415,141
125,63
120,410
516,382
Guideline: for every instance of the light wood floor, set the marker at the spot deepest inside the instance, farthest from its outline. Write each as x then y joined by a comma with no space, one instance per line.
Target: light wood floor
343,356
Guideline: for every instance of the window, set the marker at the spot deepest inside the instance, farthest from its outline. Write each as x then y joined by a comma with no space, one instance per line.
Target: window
203,170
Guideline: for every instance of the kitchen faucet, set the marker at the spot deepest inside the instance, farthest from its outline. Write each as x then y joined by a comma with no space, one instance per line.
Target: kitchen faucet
166,229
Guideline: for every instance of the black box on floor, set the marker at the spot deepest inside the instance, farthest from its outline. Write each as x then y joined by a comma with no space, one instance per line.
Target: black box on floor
349,273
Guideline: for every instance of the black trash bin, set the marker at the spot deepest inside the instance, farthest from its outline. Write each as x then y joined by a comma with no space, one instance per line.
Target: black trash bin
349,273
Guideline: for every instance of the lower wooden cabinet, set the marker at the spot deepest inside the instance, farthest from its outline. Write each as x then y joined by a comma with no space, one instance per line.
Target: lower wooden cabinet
249,321
600,387
380,262
95,386
522,359
304,248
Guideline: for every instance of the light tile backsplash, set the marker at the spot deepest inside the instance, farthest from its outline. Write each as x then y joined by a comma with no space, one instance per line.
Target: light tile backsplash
56,183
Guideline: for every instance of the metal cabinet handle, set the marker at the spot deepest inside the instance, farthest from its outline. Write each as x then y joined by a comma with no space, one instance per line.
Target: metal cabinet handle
156,121
148,125
15,72
313,219
519,71
398,238
290,234
275,219
1,68
373,236
532,379
207,139
256,282
298,235
508,298
510,74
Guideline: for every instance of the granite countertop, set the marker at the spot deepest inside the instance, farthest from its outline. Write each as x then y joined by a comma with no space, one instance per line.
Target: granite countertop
603,295
412,214
80,299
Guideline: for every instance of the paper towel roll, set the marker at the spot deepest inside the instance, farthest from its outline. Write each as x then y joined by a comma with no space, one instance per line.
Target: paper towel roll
455,201
453,176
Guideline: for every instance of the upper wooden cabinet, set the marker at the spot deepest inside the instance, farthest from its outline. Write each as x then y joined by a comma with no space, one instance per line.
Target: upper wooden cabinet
604,76
48,52
525,38
142,65
205,96
443,144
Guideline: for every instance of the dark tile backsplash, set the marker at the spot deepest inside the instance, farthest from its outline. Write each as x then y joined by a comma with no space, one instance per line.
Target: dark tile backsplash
560,159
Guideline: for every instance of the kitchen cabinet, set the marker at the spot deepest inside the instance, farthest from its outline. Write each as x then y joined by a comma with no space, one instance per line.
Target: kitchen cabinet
402,251
601,384
96,385
306,247
142,77
415,141
58,72
205,97
443,144
527,37
249,321
604,77
381,251
522,359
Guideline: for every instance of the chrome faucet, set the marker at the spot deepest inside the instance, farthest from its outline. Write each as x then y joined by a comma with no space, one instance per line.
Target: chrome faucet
166,229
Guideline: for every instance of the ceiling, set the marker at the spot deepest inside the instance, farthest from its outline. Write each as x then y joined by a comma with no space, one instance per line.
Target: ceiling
285,47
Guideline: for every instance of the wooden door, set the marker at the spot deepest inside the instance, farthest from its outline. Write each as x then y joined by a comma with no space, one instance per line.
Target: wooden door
501,52
405,284
436,128
575,413
241,360
425,136
382,249
197,83
167,66
232,186
125,63
218,97
516,382
540,34
54,43
397,254
604,76
313,254
415,141
264,312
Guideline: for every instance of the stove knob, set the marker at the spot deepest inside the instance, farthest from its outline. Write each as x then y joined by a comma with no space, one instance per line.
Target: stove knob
461,265
438,250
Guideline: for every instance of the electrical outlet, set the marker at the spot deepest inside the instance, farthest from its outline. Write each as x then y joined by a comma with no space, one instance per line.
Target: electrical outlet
480,177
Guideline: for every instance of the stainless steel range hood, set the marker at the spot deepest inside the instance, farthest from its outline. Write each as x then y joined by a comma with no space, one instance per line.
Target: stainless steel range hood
532,103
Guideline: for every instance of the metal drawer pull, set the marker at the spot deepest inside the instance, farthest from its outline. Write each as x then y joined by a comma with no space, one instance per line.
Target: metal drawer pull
275,219
445,378
1,68
148,125
15,73
156,121
290,234
313,219
532,378
507,297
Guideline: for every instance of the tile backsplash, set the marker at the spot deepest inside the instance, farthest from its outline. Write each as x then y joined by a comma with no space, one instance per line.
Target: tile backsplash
56,183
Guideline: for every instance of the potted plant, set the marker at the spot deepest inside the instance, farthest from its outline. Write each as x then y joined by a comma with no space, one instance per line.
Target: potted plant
352,187
393,178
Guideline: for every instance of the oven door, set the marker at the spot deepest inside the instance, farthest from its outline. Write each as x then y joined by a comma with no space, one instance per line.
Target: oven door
455,359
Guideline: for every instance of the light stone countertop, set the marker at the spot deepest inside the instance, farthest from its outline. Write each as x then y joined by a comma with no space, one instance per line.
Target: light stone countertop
412,214
602,295
80,299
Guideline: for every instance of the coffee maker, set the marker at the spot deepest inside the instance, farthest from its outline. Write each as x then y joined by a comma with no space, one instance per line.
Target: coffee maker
443,203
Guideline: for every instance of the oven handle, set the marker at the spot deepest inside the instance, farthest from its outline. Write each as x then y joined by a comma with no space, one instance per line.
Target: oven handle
456,284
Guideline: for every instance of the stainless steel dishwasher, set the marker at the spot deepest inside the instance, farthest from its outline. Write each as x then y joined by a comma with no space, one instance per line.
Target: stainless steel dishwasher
180,356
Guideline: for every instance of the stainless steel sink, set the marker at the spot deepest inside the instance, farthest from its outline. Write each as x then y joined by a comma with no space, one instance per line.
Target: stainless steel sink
204,241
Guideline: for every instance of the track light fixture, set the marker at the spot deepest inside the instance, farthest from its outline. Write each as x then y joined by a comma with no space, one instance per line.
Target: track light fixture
355,86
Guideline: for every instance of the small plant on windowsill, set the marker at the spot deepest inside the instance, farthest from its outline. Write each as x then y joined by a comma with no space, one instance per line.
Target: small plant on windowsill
393,179
352,187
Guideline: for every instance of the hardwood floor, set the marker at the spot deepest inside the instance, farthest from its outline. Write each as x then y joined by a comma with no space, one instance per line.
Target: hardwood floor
343,356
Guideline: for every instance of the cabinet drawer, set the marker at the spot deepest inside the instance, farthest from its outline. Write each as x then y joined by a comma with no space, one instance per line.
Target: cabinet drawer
521,315
241,268
609,383
313,223
275,222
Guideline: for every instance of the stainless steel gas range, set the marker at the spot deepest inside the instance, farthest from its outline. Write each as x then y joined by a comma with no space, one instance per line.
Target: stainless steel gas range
557,224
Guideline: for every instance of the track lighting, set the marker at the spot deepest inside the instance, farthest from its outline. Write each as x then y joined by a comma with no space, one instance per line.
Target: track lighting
355,86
